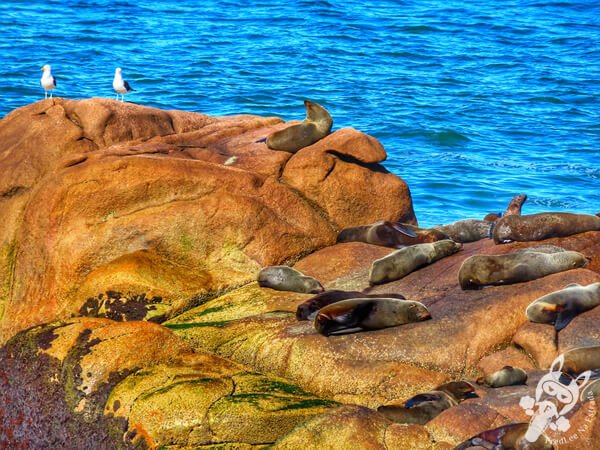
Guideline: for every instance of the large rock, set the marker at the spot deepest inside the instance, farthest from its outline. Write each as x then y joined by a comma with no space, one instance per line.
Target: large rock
95,383
127,212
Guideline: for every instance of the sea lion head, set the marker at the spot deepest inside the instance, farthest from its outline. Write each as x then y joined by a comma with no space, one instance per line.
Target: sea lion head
311,286
418,312
316,113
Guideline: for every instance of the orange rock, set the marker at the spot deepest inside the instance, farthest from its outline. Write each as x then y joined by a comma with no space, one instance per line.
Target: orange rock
510,356
158,210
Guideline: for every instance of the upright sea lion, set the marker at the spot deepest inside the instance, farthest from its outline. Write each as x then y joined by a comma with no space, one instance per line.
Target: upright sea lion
466,230
359,314
384,232
404,261
308,309
510,436
515,205
316,125
507,376
285,278
421,408
535,227
580,359
560,307
481,270
513,209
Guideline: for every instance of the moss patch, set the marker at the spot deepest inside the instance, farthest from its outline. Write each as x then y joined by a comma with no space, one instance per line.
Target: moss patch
185,326
122,307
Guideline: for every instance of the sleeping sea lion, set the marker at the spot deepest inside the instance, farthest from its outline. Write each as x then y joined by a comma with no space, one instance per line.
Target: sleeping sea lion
316,125
481,270
466,230
360,314
285,278
390,234
535,227
308,309
560,307
400,263
580,359
590,391
510,436
384,232
421,408
507,376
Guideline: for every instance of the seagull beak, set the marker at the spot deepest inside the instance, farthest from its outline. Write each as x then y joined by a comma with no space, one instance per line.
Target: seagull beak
42,68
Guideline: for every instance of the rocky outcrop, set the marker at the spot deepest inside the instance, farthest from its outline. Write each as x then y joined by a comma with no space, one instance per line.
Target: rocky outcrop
95,383
119,216
127,212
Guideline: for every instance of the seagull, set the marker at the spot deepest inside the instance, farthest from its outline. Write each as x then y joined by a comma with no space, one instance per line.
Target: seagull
48,82
120,85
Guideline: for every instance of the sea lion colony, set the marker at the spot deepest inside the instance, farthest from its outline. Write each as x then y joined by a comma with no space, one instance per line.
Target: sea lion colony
340,312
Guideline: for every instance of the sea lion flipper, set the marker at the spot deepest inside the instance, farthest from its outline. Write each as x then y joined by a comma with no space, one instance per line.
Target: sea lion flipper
563,318
421,398
404,229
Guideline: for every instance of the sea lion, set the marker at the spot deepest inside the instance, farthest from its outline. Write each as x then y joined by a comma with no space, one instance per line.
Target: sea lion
515,205
466,230
384,233
358,314
507,376
510,436
406,260
560,307
580,359
285,278
421,408
390,234
316,125
308,309
590,391
481,270
535,227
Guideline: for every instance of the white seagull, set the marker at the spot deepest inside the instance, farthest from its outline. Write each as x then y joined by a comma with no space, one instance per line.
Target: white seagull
48,82
120,85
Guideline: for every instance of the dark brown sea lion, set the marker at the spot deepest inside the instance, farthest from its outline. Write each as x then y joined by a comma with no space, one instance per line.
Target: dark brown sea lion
507,376
482,270
285,278
309,309
560,307
515,205
400,263
316,125
390,234
535,227
580,359
384,233
507,437
421,408
362,314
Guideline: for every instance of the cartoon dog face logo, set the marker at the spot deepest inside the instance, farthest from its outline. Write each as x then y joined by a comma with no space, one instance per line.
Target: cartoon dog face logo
553,399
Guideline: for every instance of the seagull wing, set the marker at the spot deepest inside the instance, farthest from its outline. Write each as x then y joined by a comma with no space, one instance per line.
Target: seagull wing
127,86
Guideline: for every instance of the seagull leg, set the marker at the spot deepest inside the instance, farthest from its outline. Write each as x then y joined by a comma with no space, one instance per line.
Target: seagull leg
45,94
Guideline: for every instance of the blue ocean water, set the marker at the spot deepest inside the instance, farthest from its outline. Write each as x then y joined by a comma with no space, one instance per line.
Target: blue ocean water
474,101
